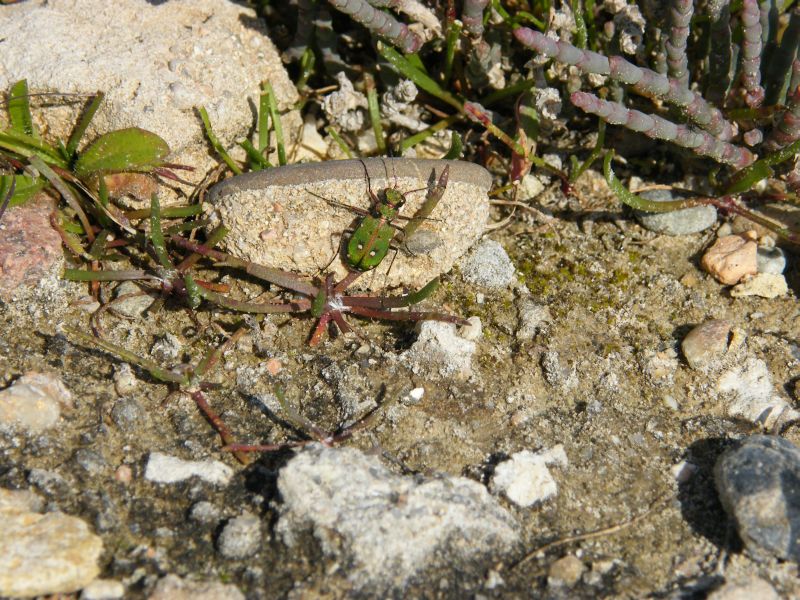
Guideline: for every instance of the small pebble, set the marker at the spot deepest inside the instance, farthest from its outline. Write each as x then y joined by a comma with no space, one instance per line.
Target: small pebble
566,571
731,258
172,587
162,468
473,331
274,366
525,479
124,379
706,343
133,306
33,403
241,537
167,348
770,260
415,395
488,265
757,485
438,350
103,589
123,474
748,392
765,285
675,222
92,462
127,413
754,589
205,512
532,317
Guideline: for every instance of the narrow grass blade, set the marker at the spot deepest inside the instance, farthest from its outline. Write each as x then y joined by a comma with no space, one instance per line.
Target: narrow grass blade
19,109
157,235
402,65
215,143
374,113
82,125
275,117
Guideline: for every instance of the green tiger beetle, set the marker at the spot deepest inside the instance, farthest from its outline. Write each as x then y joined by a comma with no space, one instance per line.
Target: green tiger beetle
373,235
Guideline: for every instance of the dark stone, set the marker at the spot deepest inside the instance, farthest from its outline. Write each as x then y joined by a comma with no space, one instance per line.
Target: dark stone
759,486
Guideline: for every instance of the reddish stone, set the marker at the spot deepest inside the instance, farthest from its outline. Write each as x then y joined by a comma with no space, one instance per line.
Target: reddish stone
29,247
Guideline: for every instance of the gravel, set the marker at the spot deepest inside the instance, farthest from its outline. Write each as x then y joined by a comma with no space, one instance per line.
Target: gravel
706,343
440,351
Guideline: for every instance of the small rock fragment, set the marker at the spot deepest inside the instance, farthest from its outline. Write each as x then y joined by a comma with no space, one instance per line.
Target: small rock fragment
440,351
525,479
705,343
162,468
127,413
731,258
770,260
752,589
488,265
388,528
30,249
130,300
123,474
241,537
46,554
33,403
124,379
16,501
472,331
167,348
565,572
204,512
103,589
173,587
765,285
92,462
532,319
675,222
757,485
751,394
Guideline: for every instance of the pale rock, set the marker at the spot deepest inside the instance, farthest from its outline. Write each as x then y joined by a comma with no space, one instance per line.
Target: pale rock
752,589
765,285
389,529
172,587
19,501
706,343
162,468
731,258
439,350
103,589
566,571
33,403
750,395
46,554
156,62
525,479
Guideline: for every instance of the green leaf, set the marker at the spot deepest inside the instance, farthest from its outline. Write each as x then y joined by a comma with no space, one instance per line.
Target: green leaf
456,148
24,189
130,149
28,146
19,109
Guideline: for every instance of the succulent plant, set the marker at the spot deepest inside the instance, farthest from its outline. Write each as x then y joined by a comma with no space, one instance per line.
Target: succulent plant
734,116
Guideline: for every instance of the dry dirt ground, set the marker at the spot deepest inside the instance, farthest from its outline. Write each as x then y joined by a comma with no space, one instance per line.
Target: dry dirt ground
604,378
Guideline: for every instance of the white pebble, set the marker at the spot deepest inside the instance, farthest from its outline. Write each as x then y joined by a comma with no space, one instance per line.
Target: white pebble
33,403
162,468
525,479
